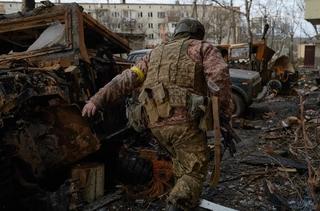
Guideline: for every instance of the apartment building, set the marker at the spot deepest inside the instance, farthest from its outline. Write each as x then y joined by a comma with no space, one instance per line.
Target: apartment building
158,21
10,7
146,25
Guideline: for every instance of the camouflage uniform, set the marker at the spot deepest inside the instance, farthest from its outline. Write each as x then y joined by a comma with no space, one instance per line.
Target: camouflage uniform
173,127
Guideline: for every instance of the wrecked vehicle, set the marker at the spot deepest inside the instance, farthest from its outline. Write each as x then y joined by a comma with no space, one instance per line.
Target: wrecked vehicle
256,65
53,59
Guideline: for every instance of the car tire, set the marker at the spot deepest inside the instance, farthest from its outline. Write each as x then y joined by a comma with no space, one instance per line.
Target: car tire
239,105
134,170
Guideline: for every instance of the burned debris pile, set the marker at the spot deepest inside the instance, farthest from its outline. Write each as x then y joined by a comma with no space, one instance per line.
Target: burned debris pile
277,163
52,60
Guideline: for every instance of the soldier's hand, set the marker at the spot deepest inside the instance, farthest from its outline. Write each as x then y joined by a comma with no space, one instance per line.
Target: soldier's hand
89,109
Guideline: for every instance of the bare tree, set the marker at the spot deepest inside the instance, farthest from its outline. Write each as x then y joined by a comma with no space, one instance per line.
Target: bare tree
279,25
233,24
218,23
246,14
248,6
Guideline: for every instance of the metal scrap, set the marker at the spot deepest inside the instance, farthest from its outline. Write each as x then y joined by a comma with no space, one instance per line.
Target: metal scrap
212,206
44,80
274,160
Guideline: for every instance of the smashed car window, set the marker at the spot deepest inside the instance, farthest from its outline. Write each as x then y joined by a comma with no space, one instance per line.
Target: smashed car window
31,37
239,53
52,36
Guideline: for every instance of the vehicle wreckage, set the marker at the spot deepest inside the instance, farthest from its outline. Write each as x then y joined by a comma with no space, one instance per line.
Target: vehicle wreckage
255,73
53,59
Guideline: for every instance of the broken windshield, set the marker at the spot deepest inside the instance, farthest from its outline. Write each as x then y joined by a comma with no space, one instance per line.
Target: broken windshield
32,36
54,35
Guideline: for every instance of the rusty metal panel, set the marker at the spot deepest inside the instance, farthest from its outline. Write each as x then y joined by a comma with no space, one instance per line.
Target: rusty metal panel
52,137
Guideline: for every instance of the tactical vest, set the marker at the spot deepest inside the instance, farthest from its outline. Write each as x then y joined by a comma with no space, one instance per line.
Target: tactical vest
172,77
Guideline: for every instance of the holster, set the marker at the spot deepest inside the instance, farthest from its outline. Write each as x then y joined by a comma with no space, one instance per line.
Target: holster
206,121
136,116
197,105
199,108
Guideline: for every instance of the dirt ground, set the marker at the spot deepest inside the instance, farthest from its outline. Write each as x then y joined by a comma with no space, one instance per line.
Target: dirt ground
270,169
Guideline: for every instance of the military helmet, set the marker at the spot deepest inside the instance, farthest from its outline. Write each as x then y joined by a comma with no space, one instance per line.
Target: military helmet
192,26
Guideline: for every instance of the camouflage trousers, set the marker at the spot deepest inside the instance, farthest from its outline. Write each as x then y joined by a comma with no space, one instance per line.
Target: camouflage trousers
188,147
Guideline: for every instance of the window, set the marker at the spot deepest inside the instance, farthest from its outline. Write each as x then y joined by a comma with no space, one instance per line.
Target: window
115,14
159,25
125,14
173,25
150,14
150,25
161,14
140,14
140,25
119,26
150,36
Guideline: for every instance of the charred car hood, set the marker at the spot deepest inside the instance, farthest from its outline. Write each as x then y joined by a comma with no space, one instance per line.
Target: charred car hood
244,74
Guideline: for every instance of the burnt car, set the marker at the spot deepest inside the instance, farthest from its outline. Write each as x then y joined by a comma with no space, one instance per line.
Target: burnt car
53,59
245,84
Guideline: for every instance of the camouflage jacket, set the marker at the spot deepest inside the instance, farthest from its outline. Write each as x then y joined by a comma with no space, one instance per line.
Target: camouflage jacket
215,70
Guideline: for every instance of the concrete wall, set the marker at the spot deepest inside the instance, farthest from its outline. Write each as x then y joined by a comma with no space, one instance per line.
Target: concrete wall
312,11
10,7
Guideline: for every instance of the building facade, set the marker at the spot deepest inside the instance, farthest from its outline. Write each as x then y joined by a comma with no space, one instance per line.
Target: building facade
158,21
147,25
312,14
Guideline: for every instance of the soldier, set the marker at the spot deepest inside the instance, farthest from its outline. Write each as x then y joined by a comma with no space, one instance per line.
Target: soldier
172,77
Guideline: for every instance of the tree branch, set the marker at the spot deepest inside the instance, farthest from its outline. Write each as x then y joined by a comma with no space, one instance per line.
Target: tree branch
227,7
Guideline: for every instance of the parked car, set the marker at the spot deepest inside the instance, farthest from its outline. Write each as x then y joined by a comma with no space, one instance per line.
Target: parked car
245,84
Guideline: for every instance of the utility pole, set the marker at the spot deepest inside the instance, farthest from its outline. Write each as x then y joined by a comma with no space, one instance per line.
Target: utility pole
194,10
28,5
